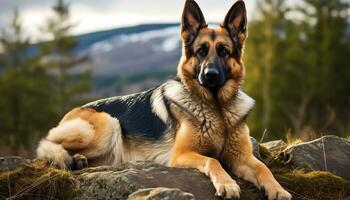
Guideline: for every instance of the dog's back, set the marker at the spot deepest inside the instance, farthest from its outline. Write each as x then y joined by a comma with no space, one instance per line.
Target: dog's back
135,113
114,130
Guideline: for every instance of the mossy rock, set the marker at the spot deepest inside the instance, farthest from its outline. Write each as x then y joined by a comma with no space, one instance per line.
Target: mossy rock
328,153
37,180
305,184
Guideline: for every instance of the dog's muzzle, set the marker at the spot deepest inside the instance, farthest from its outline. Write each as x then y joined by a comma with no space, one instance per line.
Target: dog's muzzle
211,77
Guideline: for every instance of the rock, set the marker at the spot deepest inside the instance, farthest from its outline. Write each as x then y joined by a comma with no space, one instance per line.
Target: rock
275,147
328,153
255,148
160,193
38,180
120,182
11,163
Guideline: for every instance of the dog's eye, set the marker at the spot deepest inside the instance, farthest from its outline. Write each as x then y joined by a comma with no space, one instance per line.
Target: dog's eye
202,52
222,51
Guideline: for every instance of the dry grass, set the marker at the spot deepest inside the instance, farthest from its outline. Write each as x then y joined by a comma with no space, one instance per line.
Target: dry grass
36,181
291,140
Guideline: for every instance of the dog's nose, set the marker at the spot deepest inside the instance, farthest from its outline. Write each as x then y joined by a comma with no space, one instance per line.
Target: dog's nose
211,73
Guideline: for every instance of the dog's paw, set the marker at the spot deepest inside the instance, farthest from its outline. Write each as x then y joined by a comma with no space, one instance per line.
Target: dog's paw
227,189
79,162
278,193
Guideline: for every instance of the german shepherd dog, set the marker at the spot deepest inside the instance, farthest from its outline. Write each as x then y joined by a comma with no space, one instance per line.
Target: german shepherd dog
194,121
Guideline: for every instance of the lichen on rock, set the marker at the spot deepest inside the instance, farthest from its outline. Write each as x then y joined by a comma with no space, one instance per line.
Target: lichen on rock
160,193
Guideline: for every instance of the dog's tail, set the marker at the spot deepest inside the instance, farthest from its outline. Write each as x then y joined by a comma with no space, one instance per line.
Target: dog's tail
69,136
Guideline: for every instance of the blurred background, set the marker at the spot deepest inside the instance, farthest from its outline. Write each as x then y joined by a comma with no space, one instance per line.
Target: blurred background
55,55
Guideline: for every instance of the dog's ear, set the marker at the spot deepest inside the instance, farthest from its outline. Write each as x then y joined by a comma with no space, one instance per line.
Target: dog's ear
192,21
236,22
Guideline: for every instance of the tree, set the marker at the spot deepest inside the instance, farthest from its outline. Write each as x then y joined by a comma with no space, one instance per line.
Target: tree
263,45
63,59
329,86
37,89
25,103
298,69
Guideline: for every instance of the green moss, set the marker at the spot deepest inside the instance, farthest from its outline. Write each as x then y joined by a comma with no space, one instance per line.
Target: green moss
37,181
305,184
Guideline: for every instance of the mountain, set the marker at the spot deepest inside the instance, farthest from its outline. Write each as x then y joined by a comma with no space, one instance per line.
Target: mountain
130,59
86,40
132,50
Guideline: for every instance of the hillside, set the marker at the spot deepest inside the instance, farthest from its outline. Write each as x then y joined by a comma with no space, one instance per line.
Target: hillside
130,59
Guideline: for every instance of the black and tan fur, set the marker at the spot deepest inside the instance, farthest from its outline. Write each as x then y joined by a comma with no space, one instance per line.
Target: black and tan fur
194,121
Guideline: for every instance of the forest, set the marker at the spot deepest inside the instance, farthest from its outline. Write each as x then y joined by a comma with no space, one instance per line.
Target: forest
297,69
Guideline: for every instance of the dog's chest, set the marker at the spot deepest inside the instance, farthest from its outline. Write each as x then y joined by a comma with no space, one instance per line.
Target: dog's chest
212,121
209,124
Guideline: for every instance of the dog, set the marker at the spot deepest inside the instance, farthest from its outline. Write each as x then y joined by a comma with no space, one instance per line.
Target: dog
196,120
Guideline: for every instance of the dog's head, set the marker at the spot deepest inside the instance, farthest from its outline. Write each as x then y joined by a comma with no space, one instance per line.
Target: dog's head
211,65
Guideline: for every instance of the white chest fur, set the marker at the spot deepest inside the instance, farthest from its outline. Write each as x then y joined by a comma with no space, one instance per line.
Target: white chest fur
205,112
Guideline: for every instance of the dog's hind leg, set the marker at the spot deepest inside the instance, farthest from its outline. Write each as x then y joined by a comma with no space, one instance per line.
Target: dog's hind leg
68,136
86,132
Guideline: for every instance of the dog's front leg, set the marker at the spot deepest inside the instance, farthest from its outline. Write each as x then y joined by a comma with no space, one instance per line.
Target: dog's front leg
238,156
185,156
225,186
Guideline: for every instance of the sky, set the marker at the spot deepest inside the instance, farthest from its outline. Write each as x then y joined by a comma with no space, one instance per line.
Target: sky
94,15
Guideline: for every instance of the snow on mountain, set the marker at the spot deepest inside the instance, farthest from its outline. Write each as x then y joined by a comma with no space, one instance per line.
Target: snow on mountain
131,53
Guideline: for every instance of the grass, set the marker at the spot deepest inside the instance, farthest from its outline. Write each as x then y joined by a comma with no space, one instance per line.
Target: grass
37,181
264,152
291,140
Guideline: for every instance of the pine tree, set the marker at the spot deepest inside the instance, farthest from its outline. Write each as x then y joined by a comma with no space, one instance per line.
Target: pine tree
262,48
301,68
63,59
330,39
25,107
